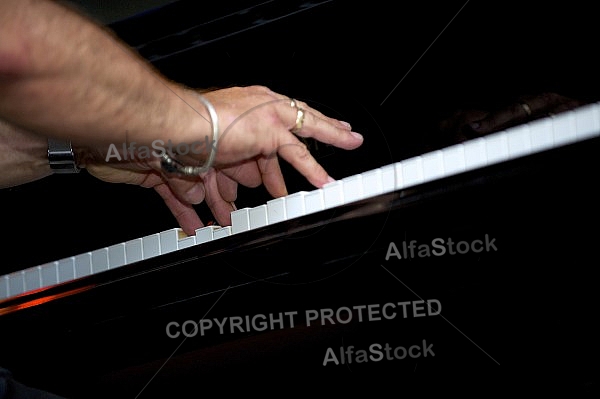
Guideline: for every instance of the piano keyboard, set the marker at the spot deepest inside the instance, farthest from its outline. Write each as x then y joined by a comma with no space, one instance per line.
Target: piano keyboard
520,141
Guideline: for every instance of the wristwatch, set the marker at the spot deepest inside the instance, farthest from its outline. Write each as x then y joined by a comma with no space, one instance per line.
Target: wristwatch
61,156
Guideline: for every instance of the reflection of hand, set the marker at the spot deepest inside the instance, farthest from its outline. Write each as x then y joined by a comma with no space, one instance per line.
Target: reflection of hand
465,125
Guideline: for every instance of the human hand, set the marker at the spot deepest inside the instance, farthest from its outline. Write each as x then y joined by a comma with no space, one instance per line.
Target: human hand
467,124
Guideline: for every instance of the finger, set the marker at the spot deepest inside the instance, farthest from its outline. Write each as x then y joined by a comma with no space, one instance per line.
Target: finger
326,130
220,208
271,176
188,190
297,154
227,186
184,213
316,113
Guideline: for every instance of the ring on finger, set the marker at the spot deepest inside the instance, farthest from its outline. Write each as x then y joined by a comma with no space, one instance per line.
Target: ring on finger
299,121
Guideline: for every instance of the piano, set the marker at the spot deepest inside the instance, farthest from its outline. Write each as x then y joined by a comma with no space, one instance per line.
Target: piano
426,270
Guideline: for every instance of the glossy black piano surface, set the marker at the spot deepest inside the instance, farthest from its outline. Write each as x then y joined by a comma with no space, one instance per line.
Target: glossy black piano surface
527,303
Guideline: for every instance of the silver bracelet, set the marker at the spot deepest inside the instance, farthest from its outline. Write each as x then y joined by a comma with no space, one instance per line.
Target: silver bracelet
171,165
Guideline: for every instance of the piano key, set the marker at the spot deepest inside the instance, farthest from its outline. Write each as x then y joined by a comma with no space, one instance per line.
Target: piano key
454,159
587,121
276,210
564,128
541,134
49,272
412,172
294,205
4,287
258,216
372,182
314,202
519,141
16,283
99,260
433,165
134,250
388,178
168,240
333,194
205,234
221,232
83,265
116,256
66,269
186,242
353,188
475,156
33,278
496,147
151,245
240,220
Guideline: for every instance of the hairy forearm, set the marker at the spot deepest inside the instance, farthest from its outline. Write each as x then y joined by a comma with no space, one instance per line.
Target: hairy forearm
64,76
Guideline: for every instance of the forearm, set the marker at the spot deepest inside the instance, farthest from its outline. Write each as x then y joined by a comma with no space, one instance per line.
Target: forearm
66,77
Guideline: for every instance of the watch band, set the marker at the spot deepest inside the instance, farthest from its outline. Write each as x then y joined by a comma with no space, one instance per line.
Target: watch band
61,156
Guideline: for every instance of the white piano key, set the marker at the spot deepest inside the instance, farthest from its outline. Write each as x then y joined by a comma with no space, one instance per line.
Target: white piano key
116,255
412,171
276,210
222,232
372,183
16,283
66,269
519,141
186,242
564,128
258,216
4,287
496,147
454,159
433,165
151,245
398,176
83,264
587,121
475,156
205,234
353,189
168,240
294,205
240,220
313,201
388,178
99,260
541,134
134,250
333,194
49,272
33,278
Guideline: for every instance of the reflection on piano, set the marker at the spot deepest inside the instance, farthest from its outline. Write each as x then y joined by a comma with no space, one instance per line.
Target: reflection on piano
104,313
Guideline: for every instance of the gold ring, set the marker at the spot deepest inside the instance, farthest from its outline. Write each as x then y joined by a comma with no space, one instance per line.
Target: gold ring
299,121
293,103
526,108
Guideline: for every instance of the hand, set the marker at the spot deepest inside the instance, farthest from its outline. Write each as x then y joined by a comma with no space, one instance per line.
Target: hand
179,193
465,125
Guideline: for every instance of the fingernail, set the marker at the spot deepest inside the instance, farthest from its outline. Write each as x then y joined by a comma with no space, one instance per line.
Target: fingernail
357,135
346,124
330,179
